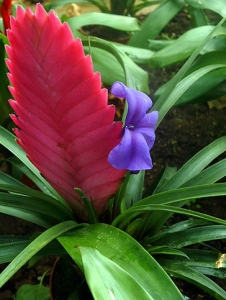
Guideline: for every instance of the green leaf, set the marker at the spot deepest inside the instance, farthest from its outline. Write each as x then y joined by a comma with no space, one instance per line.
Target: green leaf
195,165
167,174
124,251
158,202
7,139
34,247
4,39
34,292
209,175
206,262
11,246
217,6
116,66
114,21
4,82
138,55
170,96
118,7
20,201
204,84
181,196
198,17
92,216
9,180
177,227
216,44
157,45
107,280
160,250
134,189
9,250
193,236
179,270
183,47
27,215
155,22
208,59
182,87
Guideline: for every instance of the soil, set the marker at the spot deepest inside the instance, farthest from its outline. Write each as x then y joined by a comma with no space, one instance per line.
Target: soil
183,132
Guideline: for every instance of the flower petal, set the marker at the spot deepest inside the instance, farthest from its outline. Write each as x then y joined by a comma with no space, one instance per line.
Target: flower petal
138,102
132,153
146,126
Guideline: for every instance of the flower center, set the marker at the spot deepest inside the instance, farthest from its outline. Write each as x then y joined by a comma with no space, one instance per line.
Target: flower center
135,172
130,127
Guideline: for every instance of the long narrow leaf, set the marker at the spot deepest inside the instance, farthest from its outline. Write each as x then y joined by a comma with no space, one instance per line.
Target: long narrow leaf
216,6
193,236
168,9
114,21
195,165
179,270
42,201
127,217
183,47
205,262
4,92
8,251
10,247
116,66
181,88
172,197
166,101
207,82
134,189
29,215
34,247
7,139
209,175
9,180
177,227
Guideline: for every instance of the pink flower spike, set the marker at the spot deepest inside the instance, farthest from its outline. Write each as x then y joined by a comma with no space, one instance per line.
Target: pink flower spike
64,123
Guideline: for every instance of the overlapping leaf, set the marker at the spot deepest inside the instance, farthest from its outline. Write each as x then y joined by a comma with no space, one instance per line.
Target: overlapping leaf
64,123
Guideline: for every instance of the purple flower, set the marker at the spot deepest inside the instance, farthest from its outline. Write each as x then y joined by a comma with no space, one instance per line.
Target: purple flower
138,134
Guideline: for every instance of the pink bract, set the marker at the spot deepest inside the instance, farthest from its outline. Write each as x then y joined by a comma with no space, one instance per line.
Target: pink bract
63,121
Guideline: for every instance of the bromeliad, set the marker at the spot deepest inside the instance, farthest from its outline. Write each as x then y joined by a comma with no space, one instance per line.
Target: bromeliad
63,121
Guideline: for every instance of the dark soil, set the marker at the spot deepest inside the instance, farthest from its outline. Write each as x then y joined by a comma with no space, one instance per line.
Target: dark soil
184,131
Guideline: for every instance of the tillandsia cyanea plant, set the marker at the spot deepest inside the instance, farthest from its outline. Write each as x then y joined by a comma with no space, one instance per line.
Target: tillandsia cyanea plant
88,202
75,127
